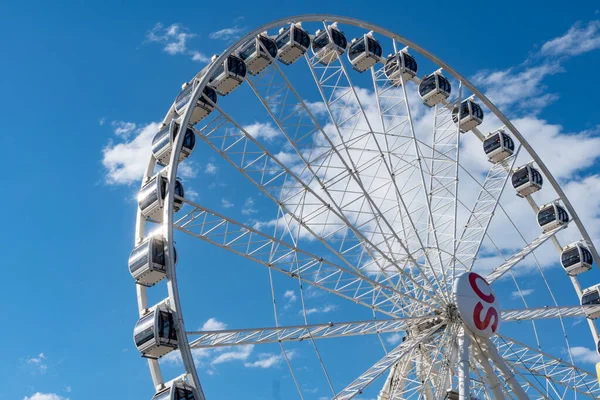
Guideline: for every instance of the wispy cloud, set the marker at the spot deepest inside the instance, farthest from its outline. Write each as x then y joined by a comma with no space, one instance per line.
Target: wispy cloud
248,208
175,39
584,355
579,39
123,129
210,169
241,354
45,396
394,338
522,86
39,362
290,298
525,292
320,310
268,360
227,34
226,203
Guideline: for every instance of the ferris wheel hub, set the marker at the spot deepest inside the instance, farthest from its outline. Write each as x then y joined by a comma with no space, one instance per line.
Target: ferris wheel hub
476,304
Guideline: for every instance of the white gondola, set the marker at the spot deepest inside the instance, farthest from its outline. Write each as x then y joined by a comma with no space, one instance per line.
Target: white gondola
498,145
551,216
589,297
471,115
364,52
400,67
451,395
258,53
434,88
164,139
526,180
328,50
576,258
151,197
155,334
148,261
229,75
176,391
203,106
292,43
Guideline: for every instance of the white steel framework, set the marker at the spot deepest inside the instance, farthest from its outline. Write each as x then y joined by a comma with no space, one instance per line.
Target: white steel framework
371,209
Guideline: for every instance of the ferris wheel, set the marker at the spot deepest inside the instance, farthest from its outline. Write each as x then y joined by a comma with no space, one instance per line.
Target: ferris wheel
388,191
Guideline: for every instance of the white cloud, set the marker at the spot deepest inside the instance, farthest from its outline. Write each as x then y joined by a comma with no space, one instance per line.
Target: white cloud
126,162
122,128
248,208
394,338
242,354
212,324
210,169
523,88
174,37
45,396
39,362
268,360
319,310
226,203
262,130
101,121
227,34
525,292
200,57
578,40
584,355
290,296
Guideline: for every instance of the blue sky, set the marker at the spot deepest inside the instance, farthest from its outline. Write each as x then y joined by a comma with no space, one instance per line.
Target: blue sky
82,85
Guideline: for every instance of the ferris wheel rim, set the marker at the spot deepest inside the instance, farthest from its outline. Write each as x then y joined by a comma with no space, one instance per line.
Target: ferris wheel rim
173,165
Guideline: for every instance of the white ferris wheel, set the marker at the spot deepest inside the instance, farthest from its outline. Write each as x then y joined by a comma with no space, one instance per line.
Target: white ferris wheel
388,191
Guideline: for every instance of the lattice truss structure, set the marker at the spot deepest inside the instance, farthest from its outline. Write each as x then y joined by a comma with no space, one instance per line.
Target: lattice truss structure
368,203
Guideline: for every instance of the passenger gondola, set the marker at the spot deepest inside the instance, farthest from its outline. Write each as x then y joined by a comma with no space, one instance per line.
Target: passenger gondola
327,50
364,52
451,395
152,196
526,180
471,115
258,53
590,297
576,258
162,143
400,67
148,261
155,333
292,43
229,75
434,89
498,145
203,106
176,391
552,216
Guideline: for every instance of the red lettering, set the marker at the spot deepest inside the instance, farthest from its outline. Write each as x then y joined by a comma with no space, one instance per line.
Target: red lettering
488,298
491,313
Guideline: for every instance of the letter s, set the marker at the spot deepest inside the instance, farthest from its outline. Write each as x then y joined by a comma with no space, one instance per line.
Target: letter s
483,324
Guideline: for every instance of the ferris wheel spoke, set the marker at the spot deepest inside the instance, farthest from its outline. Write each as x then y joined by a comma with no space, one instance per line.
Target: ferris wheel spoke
395,115
380,367
546,366
433,364
548,312
520,255
270,175
293,190
489,376
489,350
483,211
254,245
354,133
299,333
